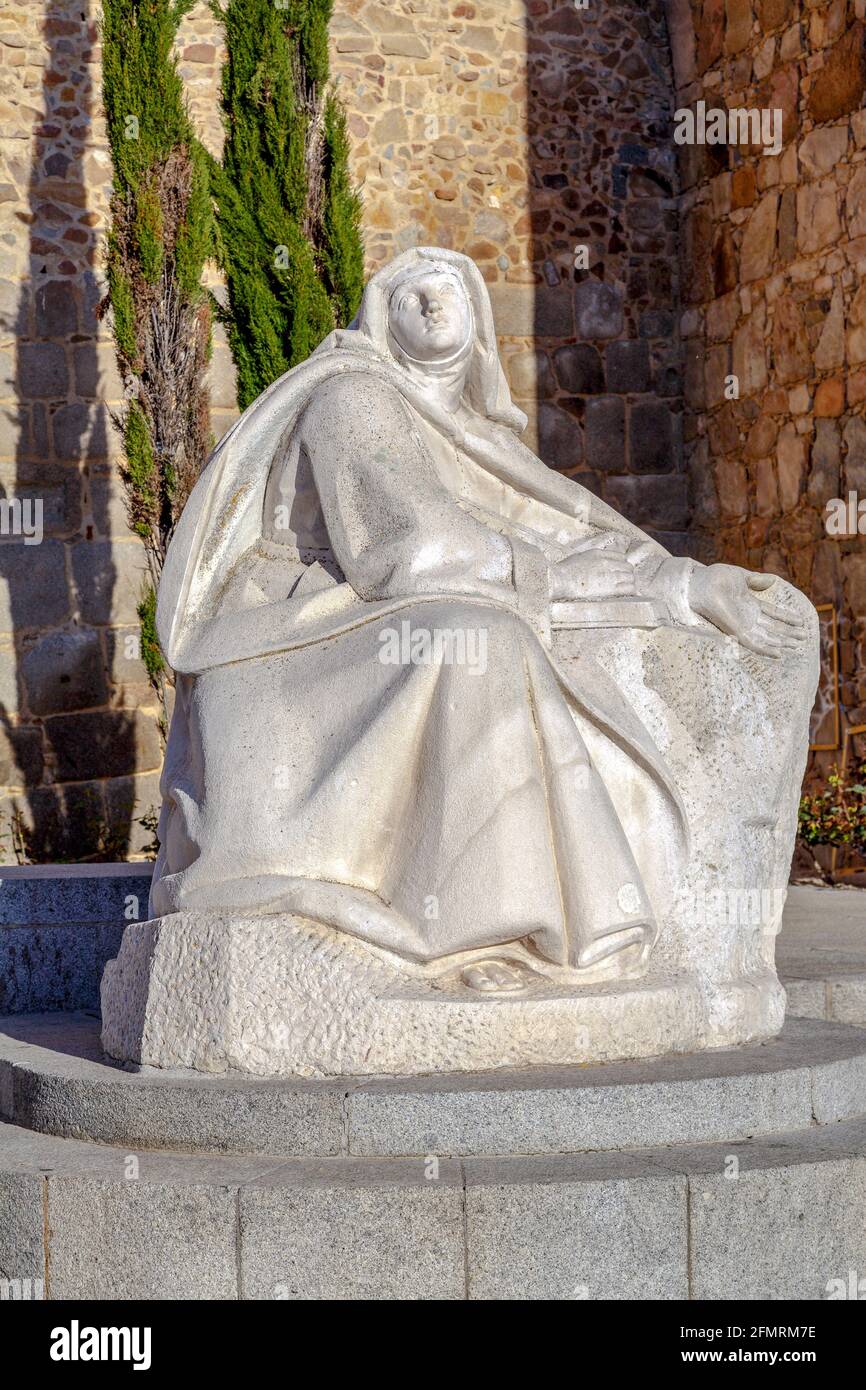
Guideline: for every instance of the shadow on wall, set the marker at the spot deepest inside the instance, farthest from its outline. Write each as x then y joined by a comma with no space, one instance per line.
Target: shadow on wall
68,754
605,242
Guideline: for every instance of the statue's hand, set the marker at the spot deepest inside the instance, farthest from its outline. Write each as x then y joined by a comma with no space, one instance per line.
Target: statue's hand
726,596
597,569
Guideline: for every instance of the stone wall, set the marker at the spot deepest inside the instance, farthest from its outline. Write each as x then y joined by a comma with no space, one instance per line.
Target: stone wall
514,131
80,746
774,251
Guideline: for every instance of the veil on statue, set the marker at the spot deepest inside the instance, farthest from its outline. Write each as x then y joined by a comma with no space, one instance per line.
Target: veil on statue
223,517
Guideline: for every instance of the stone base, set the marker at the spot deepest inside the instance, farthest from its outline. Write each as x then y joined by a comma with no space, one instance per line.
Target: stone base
282,996
584,1183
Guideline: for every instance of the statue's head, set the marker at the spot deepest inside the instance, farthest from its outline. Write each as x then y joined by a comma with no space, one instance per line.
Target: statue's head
429,314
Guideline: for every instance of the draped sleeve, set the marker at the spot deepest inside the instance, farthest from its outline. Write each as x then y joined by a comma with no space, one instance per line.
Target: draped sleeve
394,527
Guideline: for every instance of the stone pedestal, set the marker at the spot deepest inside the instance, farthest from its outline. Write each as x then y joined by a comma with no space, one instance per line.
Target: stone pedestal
731,1174
280,996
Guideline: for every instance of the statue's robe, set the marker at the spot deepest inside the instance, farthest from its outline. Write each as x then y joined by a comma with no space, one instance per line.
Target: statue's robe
428,808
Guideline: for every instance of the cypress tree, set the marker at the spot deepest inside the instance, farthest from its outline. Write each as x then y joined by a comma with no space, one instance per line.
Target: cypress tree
288,218
160,236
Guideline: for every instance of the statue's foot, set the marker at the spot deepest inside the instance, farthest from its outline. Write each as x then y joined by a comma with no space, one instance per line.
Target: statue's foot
496,976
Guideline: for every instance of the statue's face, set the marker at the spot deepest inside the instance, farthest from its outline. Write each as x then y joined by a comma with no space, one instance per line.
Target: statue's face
430,317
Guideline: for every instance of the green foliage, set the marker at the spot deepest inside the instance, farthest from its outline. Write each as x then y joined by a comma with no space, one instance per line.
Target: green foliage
162,232
836,815
288,218
151,654
139,472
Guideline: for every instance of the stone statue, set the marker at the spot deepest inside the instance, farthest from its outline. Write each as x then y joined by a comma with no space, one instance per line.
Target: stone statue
464,769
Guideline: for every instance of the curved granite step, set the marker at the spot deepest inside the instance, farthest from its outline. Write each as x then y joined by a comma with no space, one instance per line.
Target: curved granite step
783,1217
54,1079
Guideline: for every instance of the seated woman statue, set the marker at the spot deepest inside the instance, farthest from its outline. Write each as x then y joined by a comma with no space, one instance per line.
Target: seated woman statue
373,728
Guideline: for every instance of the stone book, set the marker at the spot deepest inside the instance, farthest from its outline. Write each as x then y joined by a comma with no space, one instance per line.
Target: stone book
608,612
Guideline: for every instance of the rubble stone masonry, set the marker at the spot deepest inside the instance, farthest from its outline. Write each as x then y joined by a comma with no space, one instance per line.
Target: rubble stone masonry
630,277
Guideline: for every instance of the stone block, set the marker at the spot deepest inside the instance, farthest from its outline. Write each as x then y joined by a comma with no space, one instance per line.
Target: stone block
759,240
64,822
824,475
21,756
823,149
96,374
35,593
127,799
848,1000
64,894
530,375
107,500
56,308
581,1228
806,998
837,87
597,310
628,366
605,434
339,1230
658,501
22,1256
104,743
110,579
64,671
526,311
42,370
80,432
48,968
579,369
838,1089
776,1232
818,223
560,440
854,435
651,441
178,1240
